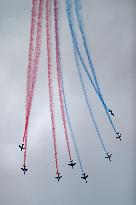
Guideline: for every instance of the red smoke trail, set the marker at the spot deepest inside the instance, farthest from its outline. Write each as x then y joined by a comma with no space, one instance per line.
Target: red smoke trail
30,58
59,75
31,48
48,36
33,72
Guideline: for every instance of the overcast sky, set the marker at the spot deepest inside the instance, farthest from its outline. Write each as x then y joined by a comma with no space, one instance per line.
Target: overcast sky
110,29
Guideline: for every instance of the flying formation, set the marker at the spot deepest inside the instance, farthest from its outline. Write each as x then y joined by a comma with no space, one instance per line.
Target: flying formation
83,63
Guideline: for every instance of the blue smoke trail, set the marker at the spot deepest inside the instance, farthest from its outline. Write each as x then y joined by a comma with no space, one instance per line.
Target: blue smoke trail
78,7
74,39
68,115
86,97
69,124
87,101
73,34
77,4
